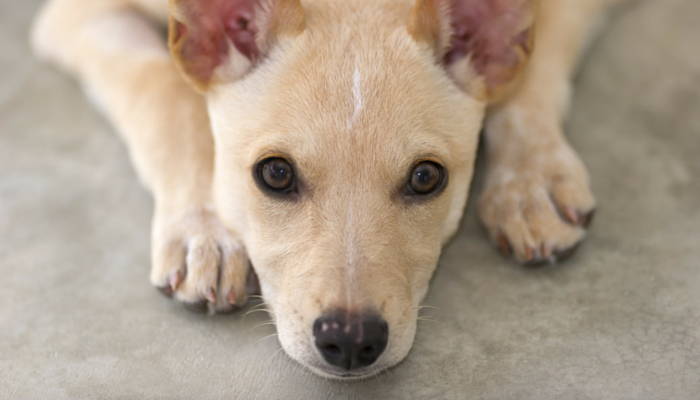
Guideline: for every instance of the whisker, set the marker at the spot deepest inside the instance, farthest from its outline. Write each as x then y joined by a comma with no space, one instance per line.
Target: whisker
426,306
419,345
258,306
255,311
270,322
275,353
266,337
261,304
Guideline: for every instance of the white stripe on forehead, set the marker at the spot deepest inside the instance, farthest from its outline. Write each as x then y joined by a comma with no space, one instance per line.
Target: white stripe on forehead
351,228
351,251
356,96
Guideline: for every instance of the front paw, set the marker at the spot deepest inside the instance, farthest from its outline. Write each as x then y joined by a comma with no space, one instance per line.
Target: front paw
537,206
197,261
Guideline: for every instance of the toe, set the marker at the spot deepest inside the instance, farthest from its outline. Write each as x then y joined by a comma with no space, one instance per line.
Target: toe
520,240
232,279
202,272
546,227
573,199
168,266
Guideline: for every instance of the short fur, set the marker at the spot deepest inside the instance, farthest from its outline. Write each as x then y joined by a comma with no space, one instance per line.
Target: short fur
354,92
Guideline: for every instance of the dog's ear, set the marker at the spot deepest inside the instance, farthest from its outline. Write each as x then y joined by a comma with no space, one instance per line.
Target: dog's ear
484,44
224,39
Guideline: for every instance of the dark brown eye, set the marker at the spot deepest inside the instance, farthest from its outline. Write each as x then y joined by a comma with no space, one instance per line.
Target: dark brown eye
277,174
425,178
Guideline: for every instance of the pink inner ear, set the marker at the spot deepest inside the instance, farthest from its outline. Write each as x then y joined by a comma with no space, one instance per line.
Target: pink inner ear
238,21
210,24
486,30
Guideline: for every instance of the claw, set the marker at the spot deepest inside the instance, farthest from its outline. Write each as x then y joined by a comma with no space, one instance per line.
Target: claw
175,279
578,218
231,297
571,214
504,245
529,253
210,295
547,250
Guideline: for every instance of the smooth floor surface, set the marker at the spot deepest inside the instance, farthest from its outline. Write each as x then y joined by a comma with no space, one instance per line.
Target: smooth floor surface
620,320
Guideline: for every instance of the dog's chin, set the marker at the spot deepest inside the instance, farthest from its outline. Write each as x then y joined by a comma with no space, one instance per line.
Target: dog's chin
321,368
347,375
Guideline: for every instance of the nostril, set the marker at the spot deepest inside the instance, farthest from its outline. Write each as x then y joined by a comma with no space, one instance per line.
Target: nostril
332,350
368,354
368,351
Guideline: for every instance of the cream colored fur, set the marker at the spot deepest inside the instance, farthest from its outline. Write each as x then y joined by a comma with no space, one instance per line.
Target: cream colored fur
355,113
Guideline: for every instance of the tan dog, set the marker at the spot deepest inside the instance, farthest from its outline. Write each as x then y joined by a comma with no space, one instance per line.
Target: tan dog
342,144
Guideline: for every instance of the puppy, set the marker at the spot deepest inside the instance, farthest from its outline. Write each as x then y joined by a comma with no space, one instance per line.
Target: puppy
330,145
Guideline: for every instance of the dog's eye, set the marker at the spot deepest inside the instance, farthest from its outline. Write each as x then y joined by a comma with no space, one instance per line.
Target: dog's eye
277,174
425,178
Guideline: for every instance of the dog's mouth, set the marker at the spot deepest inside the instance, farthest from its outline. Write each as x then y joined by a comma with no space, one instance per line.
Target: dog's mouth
348,346
345,375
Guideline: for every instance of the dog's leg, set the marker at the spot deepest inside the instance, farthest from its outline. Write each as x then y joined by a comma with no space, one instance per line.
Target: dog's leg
537,202
125,67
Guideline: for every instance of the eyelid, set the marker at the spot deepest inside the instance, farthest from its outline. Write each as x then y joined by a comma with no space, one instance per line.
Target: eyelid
427,158
274,154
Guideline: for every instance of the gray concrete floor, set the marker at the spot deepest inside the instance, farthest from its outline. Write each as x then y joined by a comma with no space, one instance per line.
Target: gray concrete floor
78,318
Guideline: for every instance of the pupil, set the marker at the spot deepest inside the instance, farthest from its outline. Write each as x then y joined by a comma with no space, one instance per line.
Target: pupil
277,174
425,175
425,178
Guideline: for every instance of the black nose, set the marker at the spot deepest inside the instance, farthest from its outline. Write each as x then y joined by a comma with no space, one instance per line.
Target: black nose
349,341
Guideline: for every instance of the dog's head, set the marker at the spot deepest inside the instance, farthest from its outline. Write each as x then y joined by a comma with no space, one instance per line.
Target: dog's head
346,132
